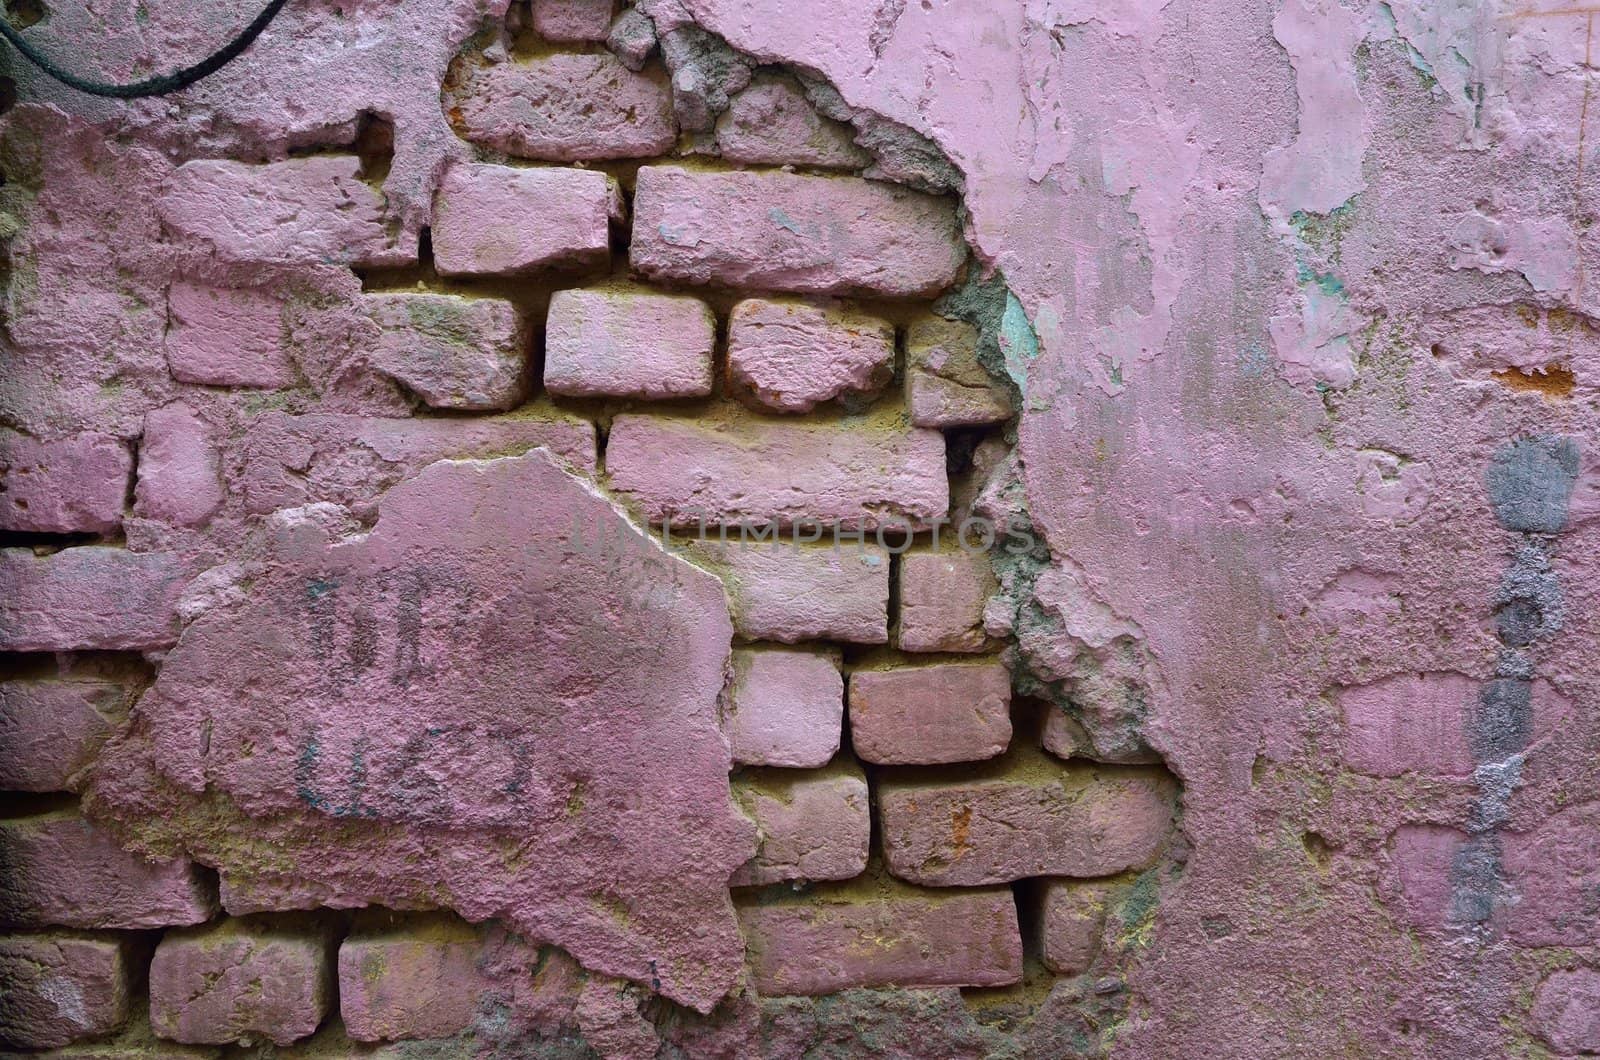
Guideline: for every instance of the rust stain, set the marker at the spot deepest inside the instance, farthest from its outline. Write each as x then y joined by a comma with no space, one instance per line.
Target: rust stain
960,832
1553,380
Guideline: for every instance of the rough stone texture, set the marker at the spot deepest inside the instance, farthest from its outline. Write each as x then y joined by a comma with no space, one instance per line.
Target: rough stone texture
498,220
632,38
238,981
222,337
572,20
504,704
923,715
51,729
788,232
59,989
622,343
792,593
941,601
74,485
705,71
472,354
813,826
179,474
785,708
899,937
420,980
568,108
946,382
62,871
790,357
681,472
1566,1011
1069,920
1024,816
89,597
772,123
298,212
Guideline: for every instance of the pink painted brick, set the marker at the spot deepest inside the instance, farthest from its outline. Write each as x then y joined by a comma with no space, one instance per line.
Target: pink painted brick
1566,1011
788,232
946,384
303,211
89,598
50,730
222,337
180,476
1070,919
240,980
59,989
1027,816
572,21
1423,859
772,123
74,485
942,597
791,356
63,871
785,708
790,593
679,472
812,826
421,979
490,220
616,343
867,937
473,354
568,108
922,715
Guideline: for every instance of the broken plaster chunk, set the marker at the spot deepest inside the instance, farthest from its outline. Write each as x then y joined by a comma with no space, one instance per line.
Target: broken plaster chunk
706,73
632,38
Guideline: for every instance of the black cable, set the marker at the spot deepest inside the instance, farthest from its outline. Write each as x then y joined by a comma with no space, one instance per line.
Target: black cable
154,86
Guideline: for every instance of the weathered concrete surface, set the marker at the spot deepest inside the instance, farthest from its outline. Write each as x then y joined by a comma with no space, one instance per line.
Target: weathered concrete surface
462,707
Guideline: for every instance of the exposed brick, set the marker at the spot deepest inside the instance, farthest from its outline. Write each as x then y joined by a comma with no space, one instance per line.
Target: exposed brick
454,352
946,384
572,21
304,211
59,989
568,108
1070,919
622,343
813,826
785,708
217,336
632,38
789,232
1566,1011
942,597
242,979
921,715
772,123
1027,815
91,598
50,730
864,935
491,220
61,871
791,593
680,472
422,979
179,474
74,485
791,356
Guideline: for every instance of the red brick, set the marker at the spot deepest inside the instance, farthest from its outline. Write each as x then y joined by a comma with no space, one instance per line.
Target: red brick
50,730
942,597
74,485
453,352
785,708
568,108
1071,917
791,356
61,871
946,384
623,343
869,935
680,471
59,989
772,123
304,211
813,826
922,715
180,475
497,220
790,593
789,232
421,979
222,337
1027,815
89,598
571,21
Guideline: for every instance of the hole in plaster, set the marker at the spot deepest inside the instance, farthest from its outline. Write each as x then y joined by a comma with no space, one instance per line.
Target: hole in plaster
375,147
25,13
